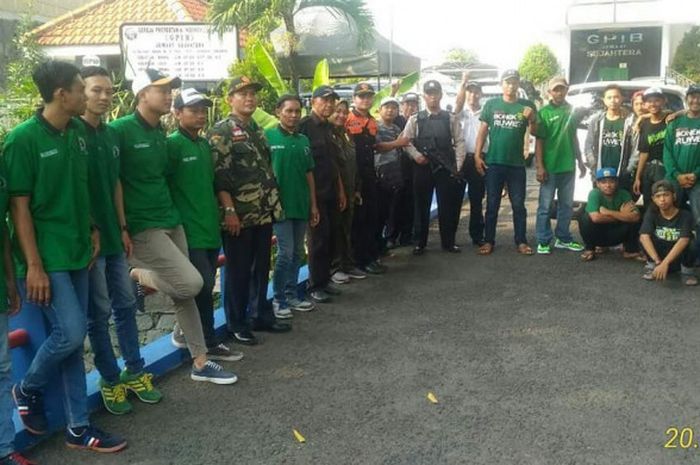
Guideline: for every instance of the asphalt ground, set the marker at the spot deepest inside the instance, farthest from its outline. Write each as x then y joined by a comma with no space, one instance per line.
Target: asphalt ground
533,360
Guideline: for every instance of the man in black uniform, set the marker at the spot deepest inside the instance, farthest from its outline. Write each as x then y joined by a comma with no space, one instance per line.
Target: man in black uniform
404,216
438,150
330,193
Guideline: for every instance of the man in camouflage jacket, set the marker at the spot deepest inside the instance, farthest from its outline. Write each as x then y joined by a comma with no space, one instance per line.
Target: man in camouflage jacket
247,191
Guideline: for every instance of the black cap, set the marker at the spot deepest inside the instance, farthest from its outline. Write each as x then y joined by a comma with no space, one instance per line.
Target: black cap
693,89
409,97
663,185
323,92
432,86
191,97
363,88
242,82
473,86
510,73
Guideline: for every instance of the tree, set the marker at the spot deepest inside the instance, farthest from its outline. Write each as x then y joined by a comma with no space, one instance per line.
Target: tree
687,58
539,64
461,56
261,17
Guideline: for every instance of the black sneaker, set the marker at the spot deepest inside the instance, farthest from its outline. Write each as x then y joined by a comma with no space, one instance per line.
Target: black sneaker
245,337
418,250
223,353
16,458
332,290
92,438
30,405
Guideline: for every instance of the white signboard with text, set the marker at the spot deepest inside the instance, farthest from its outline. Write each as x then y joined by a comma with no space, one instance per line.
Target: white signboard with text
191,51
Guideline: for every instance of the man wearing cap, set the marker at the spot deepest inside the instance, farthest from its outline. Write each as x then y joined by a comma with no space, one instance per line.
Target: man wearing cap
410,102
666,235
160,253
470,93
557,153
111,288
438,151
389,175
652,131
191,179
362,129
249,197
611,218
682,152
505,120
330,192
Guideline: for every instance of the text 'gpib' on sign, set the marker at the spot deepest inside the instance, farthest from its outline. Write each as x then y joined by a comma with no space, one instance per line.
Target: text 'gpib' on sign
191,51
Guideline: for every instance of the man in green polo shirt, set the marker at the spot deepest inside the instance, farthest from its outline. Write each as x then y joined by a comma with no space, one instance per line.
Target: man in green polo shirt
111,289
557,152
191,182
160,253
682,152
47,174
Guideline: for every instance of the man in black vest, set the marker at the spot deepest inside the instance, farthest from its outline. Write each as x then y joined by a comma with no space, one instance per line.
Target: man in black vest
438,150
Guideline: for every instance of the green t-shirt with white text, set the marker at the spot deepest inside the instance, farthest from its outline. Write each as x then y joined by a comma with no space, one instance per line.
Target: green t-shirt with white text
507,127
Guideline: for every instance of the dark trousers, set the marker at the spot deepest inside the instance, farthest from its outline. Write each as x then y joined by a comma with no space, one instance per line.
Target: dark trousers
205,260
687,258
404,204
450,192
247,272
423,185
653,171
498,176
476,186
342,229
321,245
364,224
608,234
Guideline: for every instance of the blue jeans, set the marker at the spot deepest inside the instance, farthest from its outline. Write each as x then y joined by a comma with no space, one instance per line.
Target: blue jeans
7,428
112,293
63,348
563,185
290,250
498,176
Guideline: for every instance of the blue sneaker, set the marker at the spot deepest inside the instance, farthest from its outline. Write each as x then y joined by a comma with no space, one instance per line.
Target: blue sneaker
214,373
30,405
92,438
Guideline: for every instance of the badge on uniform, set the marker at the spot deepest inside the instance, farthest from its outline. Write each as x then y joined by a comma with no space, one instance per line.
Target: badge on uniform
238,134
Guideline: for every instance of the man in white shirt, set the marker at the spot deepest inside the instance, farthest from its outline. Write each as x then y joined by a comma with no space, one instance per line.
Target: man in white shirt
468,109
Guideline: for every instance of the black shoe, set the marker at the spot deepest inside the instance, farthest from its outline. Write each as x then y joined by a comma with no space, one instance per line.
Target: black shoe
272,327
332,290
91,438
320,296
453,249
244,337
373,268
30,405
379,265
418,250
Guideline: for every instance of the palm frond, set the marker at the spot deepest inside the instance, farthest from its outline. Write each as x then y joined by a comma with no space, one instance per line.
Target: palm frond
355,13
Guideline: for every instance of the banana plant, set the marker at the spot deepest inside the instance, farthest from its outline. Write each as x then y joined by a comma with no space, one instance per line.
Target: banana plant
322,74
406,84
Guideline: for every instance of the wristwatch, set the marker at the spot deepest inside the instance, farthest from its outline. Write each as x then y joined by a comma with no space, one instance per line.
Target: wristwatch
229,211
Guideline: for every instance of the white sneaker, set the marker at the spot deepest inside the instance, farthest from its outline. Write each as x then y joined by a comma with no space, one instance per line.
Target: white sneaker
177,338
340,278
300,305
280,311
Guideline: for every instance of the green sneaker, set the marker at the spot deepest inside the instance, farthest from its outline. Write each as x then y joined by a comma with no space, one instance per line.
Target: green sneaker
141,384
572,246
114,397
544,249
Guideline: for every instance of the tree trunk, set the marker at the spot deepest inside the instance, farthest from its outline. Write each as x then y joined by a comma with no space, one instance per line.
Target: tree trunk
292,40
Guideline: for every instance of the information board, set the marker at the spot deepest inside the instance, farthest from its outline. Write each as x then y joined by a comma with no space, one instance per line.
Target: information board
191,51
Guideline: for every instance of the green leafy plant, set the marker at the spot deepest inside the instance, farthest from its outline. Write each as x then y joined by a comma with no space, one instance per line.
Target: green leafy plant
686,60
322,74
539,64
407,83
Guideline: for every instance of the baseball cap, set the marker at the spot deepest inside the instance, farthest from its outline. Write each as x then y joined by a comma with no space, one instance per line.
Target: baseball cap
432,86
663,185
191,97
510,73
153,77
473,86
388,100
409,97
557,81
693,89
323,92
363,88
242,82
603,173
652,92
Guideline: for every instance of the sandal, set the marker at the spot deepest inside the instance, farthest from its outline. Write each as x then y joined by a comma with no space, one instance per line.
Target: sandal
600,250
690,280
633,256
588,256
486,249
524,249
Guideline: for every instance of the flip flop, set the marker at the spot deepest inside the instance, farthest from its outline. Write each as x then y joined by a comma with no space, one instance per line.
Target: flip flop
486,249
690,280
524,249
587,256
